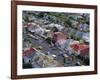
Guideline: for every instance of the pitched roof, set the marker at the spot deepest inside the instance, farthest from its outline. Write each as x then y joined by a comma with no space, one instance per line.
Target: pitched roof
59,37
79,46
28,51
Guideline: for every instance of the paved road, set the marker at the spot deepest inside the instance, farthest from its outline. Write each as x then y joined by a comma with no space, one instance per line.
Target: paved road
47,48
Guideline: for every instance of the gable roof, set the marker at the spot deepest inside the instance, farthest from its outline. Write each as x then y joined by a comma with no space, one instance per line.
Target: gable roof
79,46
28,51
59,37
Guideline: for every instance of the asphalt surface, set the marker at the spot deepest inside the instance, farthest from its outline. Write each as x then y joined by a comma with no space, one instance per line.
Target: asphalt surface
38,41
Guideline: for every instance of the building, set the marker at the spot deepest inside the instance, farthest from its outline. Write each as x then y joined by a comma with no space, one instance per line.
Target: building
35,28
28,54
59,39
84,26
86,37
80,49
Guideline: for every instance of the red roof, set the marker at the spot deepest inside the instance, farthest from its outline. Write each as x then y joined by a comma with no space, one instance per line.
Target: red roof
59,37
28,51
85,51
83,48
79,46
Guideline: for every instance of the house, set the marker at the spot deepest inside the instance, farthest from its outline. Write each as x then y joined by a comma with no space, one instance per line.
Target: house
59,39
28,54
35,28
86,37
52,25
80,49
49,33
83,26
28,51
79,34
31,58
